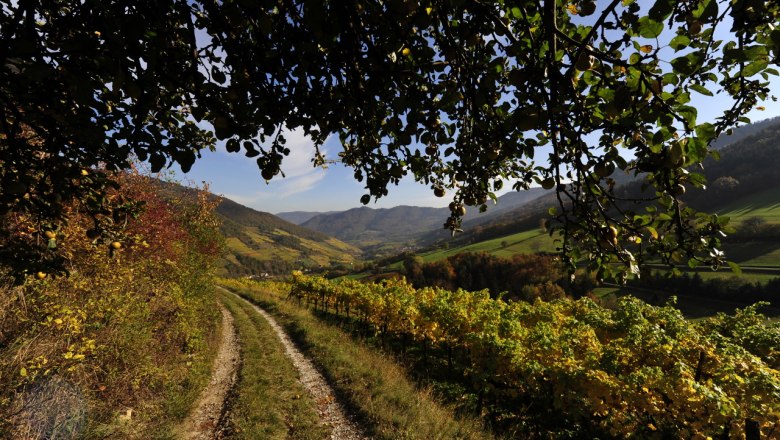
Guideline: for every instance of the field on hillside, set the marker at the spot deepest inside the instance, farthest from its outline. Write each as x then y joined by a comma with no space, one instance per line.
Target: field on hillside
528,242
282,249
765,204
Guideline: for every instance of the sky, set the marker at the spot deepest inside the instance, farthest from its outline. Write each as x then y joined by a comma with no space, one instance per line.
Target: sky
306,188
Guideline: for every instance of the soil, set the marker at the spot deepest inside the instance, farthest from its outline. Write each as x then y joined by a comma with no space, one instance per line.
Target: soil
332,413
206,420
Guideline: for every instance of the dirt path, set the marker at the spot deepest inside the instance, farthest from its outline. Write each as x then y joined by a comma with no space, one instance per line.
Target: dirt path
331,412
204,421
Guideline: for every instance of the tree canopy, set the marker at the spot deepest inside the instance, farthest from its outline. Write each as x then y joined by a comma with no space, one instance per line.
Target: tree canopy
460,94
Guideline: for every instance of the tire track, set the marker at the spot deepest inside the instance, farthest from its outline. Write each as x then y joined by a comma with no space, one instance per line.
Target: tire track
331,411
204,422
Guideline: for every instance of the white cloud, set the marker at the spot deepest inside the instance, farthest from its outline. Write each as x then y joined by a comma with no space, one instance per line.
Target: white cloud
299,162
298,184
300,174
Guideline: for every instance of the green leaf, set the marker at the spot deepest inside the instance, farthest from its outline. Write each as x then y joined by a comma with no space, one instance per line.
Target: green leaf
735,268
706,10
662,9
649,28
754,67
701,89
670,78
706,131
653,232
689,114
679,42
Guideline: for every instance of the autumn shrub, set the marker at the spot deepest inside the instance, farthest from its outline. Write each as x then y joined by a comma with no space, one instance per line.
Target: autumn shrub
119,344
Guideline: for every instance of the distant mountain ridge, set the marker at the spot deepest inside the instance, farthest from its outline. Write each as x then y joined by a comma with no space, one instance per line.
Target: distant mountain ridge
366,224
403,226
300,217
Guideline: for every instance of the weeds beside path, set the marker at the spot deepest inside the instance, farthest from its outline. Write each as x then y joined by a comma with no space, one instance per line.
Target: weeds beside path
206,421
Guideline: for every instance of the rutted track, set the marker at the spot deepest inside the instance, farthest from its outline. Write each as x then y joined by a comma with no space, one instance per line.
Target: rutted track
205,421
331,412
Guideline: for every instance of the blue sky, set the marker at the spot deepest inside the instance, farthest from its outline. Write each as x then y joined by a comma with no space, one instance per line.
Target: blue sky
306,188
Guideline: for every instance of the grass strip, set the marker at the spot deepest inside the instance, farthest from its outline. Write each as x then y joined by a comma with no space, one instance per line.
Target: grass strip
270,401
374,386
180,397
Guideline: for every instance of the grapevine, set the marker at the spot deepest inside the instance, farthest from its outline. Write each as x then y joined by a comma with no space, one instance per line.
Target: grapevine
574,368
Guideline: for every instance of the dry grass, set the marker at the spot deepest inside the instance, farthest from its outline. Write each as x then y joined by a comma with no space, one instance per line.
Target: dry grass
121,347
270,402
378,389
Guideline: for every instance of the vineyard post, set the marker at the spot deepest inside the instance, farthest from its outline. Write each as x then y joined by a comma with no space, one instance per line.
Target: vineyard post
752,430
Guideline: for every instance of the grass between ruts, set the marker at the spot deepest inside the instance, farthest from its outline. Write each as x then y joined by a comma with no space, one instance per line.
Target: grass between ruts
270,401
375,387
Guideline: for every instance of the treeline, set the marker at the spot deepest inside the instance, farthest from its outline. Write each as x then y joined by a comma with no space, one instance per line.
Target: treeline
252,266
521,277
729,289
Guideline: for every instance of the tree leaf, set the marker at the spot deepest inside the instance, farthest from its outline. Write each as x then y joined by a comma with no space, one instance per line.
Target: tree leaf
232,146
679,42
706,131
754,67
735,268
649,28
701,89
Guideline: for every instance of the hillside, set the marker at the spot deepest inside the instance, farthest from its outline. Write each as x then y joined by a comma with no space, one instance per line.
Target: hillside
299,217
750,155
258,242
390,229
367,226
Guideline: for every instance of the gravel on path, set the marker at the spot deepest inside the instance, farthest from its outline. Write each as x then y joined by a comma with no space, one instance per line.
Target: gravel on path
205,421
331,411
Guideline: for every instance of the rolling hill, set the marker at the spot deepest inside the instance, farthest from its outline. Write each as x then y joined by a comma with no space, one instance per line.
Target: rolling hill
379,230
744,185
261,243
750,156
258,242
385,230
299,217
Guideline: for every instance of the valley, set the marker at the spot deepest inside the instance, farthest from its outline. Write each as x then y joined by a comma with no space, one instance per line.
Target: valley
493,220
